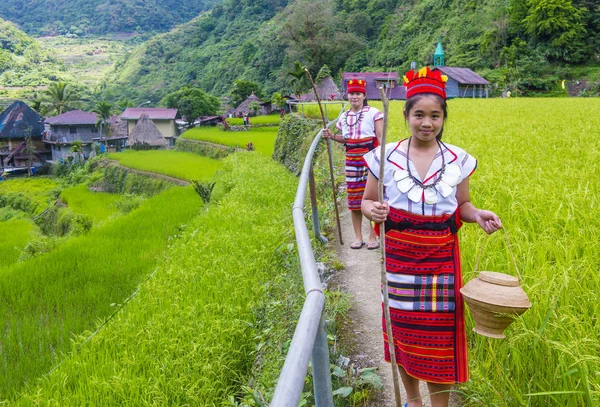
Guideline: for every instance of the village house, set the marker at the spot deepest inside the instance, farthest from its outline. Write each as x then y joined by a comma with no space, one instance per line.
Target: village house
243,108
17,122
162,118
61,131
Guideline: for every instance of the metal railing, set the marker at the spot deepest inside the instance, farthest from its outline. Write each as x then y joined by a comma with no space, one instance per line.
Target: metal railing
310,336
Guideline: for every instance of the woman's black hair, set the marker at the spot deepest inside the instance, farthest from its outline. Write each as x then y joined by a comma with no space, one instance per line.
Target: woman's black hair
365,101
410,103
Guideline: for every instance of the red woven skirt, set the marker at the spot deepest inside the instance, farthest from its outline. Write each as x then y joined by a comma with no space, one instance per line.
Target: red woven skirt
426,307
356,169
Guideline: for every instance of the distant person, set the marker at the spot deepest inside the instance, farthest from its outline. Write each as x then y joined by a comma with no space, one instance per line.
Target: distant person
426,184
361,128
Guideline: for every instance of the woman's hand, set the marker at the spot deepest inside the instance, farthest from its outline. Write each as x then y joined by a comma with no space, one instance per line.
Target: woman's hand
379,211
489,221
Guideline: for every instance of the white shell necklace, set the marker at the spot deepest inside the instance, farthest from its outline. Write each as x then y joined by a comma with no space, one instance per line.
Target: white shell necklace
444,184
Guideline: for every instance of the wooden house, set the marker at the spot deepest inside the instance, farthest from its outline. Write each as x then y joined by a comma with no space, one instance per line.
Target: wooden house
60,132
162,118
17,122
464,83
375,80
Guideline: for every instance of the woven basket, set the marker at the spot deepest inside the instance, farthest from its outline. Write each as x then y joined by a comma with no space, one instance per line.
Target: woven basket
494,299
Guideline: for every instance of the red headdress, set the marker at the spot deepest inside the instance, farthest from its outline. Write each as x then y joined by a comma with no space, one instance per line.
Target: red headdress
357,85
425,81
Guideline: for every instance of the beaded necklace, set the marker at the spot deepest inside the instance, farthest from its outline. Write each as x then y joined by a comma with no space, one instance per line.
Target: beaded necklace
358,118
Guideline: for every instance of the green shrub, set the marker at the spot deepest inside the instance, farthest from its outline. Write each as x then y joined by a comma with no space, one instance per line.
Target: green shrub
293,140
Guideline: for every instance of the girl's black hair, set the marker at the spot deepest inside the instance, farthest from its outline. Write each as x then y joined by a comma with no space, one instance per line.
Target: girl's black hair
410,103
365,101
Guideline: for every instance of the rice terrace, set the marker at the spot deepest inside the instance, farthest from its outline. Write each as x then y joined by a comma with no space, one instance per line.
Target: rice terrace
179,336
170,203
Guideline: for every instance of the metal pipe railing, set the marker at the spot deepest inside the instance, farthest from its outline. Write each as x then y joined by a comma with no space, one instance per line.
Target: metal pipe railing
310,336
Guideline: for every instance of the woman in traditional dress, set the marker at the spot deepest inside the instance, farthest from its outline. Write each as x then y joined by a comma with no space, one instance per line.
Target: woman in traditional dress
361,127
426,199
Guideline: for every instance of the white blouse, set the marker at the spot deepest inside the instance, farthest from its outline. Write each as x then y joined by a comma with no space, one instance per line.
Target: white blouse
366,123
441,198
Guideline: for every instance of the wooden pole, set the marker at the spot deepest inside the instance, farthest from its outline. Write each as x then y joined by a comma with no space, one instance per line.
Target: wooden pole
384,284
337,214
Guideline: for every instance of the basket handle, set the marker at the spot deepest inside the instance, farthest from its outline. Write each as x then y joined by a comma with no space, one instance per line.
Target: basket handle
512,255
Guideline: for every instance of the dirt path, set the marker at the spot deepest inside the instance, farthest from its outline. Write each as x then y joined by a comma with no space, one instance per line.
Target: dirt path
361,278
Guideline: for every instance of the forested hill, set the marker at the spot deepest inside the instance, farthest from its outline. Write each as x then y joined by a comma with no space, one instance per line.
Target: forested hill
20,54
80,17
526,44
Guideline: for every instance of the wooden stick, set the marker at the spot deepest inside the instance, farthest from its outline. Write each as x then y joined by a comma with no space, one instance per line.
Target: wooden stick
337,214
386,307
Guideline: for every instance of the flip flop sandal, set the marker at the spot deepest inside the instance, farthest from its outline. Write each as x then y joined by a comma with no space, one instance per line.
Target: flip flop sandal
372,245
357,245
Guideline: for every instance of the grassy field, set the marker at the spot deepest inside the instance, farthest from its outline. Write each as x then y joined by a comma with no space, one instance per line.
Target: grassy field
48,299
263,138
189,337
35,192
14,235
185,166
256,120
97,205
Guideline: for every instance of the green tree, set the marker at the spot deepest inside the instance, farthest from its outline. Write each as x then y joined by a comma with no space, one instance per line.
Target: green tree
123,104
277,100
242,89
77,148
192,103
324,72
104,110
29,149
558,23
60,97
254,106
298,81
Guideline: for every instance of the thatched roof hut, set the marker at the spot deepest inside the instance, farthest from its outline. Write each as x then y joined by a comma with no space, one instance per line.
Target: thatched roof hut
244,107
146,132
327,90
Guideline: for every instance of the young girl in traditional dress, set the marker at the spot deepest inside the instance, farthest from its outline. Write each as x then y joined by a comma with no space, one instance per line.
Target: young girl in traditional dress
361,127
426,199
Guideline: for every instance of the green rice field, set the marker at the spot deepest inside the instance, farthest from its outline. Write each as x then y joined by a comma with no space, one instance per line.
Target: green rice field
255,120
97,205
263,138
189,337
177,164
36,192
68,291
14,235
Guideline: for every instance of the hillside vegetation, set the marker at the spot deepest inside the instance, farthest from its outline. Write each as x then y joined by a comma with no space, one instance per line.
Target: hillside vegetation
23,62
529,45
80,17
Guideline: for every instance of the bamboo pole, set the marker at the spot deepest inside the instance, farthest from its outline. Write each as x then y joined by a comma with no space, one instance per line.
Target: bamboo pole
386,307
337,214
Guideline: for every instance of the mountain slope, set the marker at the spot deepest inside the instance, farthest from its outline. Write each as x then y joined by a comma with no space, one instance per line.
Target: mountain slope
52,17
516,43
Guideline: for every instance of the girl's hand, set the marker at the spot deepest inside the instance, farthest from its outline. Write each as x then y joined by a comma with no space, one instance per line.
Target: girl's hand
489,221
379,211
327,134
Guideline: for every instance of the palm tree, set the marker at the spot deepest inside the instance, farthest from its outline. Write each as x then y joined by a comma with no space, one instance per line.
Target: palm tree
104,110
60,97
298,80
